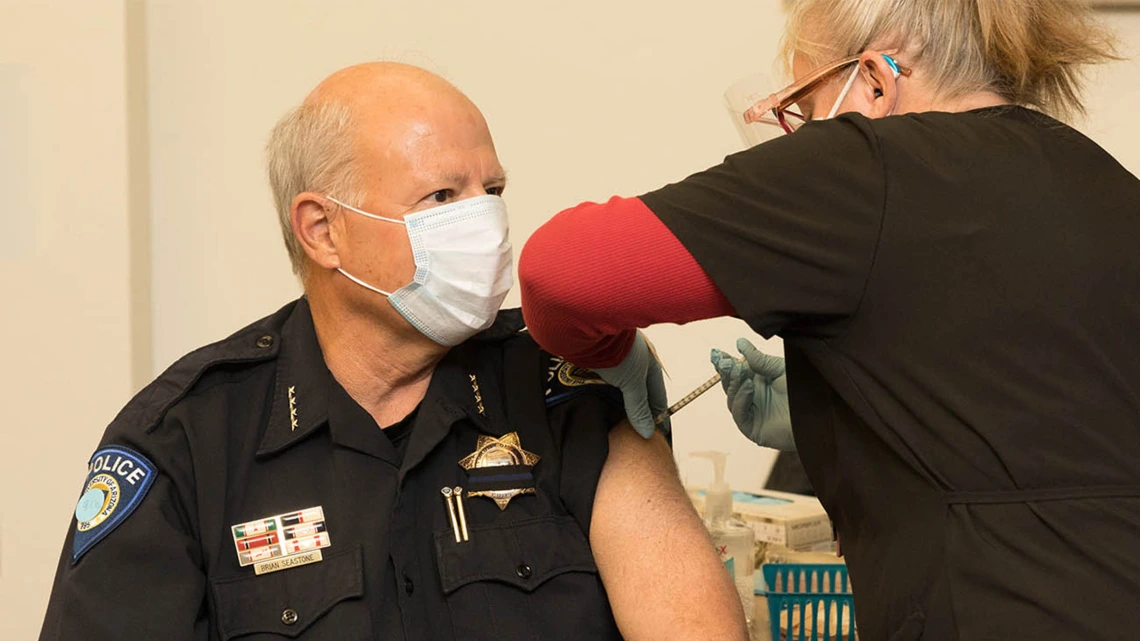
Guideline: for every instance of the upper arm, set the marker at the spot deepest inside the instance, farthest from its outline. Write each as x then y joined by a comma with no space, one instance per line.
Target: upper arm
662,575
663,578
787,230
628,271
142,580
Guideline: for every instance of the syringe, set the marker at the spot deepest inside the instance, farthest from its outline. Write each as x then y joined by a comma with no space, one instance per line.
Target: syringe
689,398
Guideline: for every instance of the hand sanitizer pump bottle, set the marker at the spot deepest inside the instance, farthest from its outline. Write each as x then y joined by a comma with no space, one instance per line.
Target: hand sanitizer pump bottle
732,539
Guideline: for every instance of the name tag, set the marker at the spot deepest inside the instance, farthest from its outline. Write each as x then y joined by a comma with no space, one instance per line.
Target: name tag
265,567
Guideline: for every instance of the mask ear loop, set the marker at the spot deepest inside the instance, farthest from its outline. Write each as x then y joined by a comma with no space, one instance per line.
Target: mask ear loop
364,213
373,216
362,283
843,94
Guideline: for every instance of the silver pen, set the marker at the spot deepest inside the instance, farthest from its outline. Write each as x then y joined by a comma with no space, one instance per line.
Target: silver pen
462,514
447,497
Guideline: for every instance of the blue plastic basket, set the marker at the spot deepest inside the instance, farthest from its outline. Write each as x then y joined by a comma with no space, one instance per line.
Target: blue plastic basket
818,595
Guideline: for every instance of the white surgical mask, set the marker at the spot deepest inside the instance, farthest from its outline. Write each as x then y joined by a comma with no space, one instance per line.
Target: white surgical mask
463,261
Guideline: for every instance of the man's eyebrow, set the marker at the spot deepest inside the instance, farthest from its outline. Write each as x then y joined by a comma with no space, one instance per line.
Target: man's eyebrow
459,178
453,177
500,177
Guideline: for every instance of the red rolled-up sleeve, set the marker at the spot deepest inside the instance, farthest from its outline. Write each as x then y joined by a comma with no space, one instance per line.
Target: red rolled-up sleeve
594,273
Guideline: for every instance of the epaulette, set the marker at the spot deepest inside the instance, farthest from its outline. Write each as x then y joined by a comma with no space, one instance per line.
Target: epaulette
565,381
255,343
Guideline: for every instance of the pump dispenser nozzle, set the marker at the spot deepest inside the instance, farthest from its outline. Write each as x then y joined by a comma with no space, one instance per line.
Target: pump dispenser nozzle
718,496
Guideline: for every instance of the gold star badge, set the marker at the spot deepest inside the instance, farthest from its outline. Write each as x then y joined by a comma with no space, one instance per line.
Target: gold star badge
491,452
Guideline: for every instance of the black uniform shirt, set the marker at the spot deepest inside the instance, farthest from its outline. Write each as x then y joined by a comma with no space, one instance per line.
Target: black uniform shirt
398,434
255,426
958,299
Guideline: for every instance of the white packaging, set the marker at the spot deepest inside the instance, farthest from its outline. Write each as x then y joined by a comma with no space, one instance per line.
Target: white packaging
794,521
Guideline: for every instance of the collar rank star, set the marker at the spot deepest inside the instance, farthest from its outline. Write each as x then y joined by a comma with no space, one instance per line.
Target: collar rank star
283,541
499,469
292,408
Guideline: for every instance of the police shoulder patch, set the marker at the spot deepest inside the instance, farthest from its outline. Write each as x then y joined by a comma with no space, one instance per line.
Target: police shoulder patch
565,380
117,480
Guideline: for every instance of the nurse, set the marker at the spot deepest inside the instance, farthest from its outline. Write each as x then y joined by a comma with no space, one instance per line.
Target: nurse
954,272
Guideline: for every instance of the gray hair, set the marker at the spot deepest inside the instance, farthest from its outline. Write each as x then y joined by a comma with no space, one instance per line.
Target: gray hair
310,149
1031,52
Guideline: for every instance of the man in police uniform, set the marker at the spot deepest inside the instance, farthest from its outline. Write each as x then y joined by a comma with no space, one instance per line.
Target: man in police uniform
250,493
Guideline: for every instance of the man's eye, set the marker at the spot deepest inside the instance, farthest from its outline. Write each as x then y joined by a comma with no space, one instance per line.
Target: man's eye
495,191
441,196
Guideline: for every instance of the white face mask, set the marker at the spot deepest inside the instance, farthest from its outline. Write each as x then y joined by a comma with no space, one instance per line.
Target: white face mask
463,267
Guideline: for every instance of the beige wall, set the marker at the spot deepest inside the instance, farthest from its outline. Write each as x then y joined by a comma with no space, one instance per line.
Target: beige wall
585,99
1114,96
64,274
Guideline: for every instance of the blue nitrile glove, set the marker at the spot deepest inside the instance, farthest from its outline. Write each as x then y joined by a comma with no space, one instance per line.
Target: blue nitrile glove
757,395
642,386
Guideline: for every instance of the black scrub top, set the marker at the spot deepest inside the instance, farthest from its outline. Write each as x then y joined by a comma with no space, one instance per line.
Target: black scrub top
959,296
256,427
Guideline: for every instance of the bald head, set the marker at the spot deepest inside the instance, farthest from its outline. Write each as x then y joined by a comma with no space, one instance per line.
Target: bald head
388,101
383,85
382,132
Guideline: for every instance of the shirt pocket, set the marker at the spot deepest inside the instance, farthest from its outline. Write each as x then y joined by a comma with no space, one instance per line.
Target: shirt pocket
531,579
314,602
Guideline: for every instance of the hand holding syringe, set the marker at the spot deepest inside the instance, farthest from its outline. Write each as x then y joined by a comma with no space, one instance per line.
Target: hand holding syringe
757,396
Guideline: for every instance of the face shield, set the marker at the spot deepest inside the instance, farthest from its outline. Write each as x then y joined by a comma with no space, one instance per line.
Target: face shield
740,97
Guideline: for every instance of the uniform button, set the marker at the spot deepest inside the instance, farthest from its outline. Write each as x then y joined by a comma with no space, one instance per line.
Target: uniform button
265,341
523,571
409,587
289,616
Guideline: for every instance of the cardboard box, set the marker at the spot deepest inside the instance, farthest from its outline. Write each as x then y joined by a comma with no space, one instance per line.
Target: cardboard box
794,521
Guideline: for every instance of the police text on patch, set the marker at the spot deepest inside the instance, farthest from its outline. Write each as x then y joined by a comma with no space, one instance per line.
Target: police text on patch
118,465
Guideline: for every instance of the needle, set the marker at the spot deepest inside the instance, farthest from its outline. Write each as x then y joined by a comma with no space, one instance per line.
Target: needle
692,396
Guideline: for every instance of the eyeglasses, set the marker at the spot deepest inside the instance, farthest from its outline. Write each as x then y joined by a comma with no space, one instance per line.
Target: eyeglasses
776,108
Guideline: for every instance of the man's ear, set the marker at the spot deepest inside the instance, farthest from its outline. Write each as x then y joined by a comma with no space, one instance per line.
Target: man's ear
881,82
311,217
